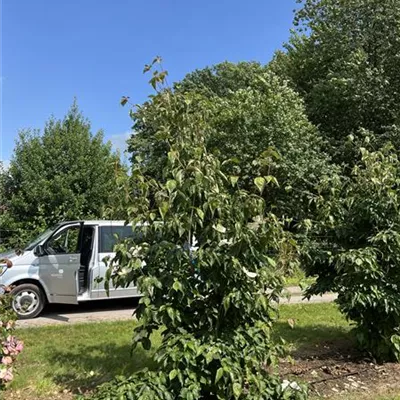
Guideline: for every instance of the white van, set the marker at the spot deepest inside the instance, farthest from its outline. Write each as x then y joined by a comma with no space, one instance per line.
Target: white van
63,265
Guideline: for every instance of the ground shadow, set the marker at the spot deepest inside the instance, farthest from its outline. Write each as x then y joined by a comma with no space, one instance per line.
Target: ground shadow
319,341
91,306
98,364
328,361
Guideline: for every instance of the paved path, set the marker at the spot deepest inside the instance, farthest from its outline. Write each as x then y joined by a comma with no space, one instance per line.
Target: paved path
122,309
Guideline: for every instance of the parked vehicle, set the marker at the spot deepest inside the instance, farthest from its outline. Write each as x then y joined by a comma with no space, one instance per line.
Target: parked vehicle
63,265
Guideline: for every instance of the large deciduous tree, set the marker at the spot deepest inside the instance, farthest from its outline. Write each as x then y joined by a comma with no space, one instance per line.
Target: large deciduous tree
251,113
344,61
65,173
3,174
343,58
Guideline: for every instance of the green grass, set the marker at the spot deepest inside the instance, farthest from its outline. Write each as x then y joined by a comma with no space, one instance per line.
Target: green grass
313,324
298,278
395,397
78,357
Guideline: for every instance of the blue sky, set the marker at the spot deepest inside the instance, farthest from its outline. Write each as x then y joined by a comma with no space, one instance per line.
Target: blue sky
53,50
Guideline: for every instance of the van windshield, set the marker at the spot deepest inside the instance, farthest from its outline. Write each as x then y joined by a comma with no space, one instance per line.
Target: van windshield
40,238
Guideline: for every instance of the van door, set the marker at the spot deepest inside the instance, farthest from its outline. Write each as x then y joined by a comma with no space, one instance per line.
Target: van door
59,267
108,237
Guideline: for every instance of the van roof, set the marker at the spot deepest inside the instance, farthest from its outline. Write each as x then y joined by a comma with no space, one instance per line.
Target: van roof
100,222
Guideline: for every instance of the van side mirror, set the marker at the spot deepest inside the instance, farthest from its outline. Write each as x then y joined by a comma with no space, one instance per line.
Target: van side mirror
39,250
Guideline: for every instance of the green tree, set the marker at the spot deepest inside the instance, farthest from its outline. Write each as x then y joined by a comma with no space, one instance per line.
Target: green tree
343,58
205,261
355,249
210,83
65,173
250,111
3,176
4,232
221,80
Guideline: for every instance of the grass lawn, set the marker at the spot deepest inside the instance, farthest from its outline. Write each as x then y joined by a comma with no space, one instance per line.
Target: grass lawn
298,278
77,358
313,324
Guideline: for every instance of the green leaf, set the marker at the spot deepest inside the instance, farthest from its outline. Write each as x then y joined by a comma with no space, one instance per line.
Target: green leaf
233,160
219,374
263,302
270,178
156,60
233,180
271,152
209,357
260,183
171,313
226,303
173,374
179,176
271,261
163,209
171,185
219,228
152,216
237,390
200,213
153,82
172,156
124,100
177,286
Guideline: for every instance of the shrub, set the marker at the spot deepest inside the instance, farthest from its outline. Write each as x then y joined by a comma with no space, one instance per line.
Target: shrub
355,249
205,260
10,346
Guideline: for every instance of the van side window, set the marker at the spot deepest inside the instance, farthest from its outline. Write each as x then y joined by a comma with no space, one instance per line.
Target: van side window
111,235
64,242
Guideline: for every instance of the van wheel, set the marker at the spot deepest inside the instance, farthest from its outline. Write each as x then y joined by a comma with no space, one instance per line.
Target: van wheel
28,300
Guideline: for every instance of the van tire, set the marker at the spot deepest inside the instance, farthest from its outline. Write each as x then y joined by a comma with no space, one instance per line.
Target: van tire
28,295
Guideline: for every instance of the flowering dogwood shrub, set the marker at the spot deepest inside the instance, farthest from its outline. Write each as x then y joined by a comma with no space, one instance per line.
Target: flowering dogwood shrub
10,346
205,257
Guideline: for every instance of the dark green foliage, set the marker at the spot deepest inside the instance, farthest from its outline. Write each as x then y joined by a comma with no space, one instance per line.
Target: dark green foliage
344,61
64,174
145,385
356,251
250,111
206,263
3,175
221,80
